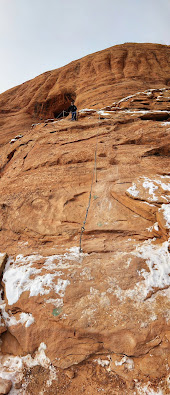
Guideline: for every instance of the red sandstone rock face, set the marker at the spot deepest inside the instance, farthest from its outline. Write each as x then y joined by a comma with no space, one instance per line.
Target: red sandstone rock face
103,312
93,81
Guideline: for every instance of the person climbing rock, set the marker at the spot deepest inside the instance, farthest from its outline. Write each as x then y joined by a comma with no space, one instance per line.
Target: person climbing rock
73,110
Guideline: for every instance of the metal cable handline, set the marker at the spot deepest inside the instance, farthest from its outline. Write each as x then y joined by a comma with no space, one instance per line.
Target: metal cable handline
62,113
94,174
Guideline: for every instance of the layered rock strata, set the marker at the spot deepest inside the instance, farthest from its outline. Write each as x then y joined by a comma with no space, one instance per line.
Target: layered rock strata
96,319
93,81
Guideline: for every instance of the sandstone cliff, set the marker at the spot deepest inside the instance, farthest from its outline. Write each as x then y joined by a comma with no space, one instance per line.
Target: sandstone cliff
93,81
95,320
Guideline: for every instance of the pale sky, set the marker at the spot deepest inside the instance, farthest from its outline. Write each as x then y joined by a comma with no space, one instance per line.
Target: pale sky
42,35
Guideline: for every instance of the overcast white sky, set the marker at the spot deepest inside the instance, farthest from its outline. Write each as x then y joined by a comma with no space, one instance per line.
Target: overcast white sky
41,35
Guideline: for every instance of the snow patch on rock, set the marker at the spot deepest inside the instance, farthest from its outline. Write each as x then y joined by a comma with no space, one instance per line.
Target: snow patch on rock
158,261
127,361
147,390
153,227
149,184
166,214
152,187
133,190
157,258
21,275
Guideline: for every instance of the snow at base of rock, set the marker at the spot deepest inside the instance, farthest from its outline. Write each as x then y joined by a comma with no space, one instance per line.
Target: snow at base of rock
11,367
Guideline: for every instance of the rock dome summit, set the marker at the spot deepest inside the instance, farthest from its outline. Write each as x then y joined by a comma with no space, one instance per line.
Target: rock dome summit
96,318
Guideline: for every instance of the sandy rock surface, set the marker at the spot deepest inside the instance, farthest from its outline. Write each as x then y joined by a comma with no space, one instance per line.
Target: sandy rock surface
96,319
5,386
94,81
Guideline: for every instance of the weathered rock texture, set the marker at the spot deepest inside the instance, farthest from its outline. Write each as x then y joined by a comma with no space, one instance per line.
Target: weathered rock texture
5,386
95,80
103,312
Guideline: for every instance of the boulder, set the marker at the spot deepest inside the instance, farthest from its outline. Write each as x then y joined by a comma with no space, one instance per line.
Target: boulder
5,386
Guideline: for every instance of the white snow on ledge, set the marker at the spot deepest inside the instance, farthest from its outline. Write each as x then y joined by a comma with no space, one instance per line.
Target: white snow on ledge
147,92
151,187
87,110
148,111
101,112
16,138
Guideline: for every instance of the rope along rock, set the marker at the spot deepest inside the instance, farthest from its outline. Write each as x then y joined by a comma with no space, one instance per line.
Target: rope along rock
94,175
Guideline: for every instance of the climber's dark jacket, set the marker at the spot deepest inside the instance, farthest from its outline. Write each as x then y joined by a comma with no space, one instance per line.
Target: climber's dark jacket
72,108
